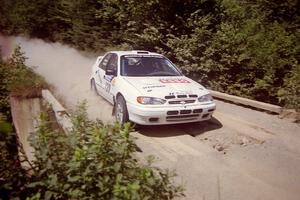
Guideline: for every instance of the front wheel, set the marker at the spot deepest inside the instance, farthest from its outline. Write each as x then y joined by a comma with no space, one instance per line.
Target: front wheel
121,112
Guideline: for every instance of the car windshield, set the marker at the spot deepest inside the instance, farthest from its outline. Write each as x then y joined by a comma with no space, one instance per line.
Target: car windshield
147,66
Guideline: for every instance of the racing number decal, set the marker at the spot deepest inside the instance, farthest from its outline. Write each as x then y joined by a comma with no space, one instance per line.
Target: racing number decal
108,81
99,76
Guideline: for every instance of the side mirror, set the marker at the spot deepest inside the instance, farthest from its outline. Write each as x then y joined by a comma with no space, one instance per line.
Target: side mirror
110,72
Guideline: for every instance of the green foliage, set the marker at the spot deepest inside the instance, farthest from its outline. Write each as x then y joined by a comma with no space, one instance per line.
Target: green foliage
12,176
5,127
291,91
4,92
247,48
94,161
18,79
244,53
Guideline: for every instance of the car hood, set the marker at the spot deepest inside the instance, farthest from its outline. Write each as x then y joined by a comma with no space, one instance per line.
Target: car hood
163,86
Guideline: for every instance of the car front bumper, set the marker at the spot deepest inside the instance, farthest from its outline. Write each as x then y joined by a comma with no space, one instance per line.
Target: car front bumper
158,115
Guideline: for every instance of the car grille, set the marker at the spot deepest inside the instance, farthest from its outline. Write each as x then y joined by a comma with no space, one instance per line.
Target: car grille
182,102
181,96
184,112
183,115
181,99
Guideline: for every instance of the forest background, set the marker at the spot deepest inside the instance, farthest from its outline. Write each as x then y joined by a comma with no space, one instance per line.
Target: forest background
249,48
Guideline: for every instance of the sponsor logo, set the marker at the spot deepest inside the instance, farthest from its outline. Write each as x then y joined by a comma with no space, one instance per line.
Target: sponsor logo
153,86
174,80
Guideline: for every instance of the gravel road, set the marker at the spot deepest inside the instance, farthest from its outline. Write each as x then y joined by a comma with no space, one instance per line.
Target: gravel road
239,154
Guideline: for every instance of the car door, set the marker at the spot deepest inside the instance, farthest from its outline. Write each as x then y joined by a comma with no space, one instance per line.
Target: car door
110,74
100,75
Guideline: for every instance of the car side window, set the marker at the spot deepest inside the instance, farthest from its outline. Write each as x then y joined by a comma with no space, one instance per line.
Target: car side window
104,62
113,63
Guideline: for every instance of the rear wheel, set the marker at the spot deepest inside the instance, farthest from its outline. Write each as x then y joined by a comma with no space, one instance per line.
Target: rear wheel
121,112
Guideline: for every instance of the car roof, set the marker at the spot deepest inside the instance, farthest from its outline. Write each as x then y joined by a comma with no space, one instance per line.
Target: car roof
135,52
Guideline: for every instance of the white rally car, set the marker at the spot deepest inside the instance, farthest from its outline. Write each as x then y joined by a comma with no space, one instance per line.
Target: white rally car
147,88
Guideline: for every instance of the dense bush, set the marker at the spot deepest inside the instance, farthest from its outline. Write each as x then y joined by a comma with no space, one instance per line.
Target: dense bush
246,55
248,48
12,176
93,161
4,92
21,80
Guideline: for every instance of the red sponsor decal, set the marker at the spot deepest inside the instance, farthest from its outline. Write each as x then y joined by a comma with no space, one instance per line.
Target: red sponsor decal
174,80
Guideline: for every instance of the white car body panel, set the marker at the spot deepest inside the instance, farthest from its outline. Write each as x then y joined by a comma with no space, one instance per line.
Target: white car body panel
188,106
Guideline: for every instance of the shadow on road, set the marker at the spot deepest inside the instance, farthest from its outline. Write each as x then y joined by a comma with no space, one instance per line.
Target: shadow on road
194,129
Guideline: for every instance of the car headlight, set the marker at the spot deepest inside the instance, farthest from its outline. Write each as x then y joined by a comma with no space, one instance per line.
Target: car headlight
150,100
205,98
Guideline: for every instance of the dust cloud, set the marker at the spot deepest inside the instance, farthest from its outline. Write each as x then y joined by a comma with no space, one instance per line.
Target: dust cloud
66,69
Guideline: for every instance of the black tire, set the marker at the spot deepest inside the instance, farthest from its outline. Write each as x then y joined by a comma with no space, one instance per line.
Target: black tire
93,87
121,112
